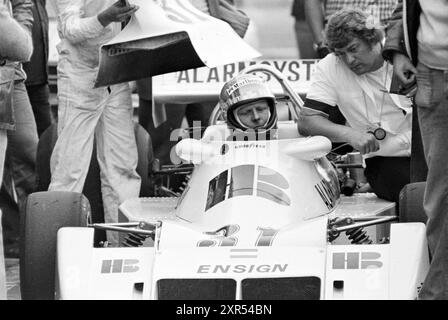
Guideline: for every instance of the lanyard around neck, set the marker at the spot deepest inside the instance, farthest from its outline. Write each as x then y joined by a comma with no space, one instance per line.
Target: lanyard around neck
382,99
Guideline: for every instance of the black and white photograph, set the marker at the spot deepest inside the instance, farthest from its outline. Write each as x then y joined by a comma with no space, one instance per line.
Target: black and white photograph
223,155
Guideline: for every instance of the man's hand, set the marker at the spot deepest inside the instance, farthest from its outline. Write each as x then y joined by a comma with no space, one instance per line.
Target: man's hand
404,69
364,142
116,13
322,50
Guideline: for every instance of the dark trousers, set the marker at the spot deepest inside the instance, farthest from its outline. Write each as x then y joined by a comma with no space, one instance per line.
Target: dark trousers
388,175
39,96
10,223
164,137
200,113
162,141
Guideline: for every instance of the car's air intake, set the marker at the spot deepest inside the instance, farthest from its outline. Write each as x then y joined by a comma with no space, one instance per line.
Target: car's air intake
298,288
196,289
294,288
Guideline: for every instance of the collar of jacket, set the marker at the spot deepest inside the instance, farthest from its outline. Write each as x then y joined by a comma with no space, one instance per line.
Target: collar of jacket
411,24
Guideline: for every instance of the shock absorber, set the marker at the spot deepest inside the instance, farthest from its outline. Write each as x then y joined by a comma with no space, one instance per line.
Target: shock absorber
184,183
135,239
358,236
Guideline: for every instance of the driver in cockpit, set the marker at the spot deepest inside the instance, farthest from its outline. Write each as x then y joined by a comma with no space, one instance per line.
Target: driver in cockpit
249,106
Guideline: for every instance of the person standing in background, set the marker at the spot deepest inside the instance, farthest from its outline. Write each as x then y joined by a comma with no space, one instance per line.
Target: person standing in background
37,69
417,44
85,112
19,176
15,45
317,13
302,31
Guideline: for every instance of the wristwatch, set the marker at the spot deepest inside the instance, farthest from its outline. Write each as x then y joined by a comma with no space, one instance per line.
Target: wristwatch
378,133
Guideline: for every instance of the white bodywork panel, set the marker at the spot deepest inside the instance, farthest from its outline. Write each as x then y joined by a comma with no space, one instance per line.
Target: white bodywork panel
394,271
364,270
390,271
85,272
168,36
224,263
409,259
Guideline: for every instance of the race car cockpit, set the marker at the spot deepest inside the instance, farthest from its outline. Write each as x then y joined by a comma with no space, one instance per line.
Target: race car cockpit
249,111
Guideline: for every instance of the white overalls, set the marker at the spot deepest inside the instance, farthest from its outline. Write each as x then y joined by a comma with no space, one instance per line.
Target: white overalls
85,111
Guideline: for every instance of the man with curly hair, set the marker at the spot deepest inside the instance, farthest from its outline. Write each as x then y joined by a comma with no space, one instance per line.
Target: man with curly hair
357,79
318,12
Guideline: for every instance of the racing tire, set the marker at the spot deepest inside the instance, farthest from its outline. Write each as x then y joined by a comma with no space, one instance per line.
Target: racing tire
45,214
92,185
411,203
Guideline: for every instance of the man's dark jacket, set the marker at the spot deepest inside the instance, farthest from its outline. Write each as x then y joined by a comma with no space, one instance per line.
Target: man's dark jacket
402,31
402,37
37,69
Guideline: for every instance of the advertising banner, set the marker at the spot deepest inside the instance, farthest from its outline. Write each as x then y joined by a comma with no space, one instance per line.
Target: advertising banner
204,84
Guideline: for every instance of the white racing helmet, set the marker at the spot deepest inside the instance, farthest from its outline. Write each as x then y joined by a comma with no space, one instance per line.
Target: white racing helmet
243,89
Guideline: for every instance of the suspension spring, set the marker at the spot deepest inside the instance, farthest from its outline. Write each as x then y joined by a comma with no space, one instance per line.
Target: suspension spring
184,183
134,240
358,236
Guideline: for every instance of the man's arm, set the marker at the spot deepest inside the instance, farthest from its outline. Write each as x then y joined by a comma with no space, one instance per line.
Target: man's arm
16,44
395,34
22,11
75,27
313,123
322,96
395,49
314,14
227,11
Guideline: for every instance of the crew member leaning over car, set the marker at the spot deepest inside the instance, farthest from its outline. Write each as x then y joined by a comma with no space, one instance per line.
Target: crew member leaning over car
249,106
84,25
15,46
357,79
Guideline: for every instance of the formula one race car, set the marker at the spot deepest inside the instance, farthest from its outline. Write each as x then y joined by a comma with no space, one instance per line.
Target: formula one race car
255,221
